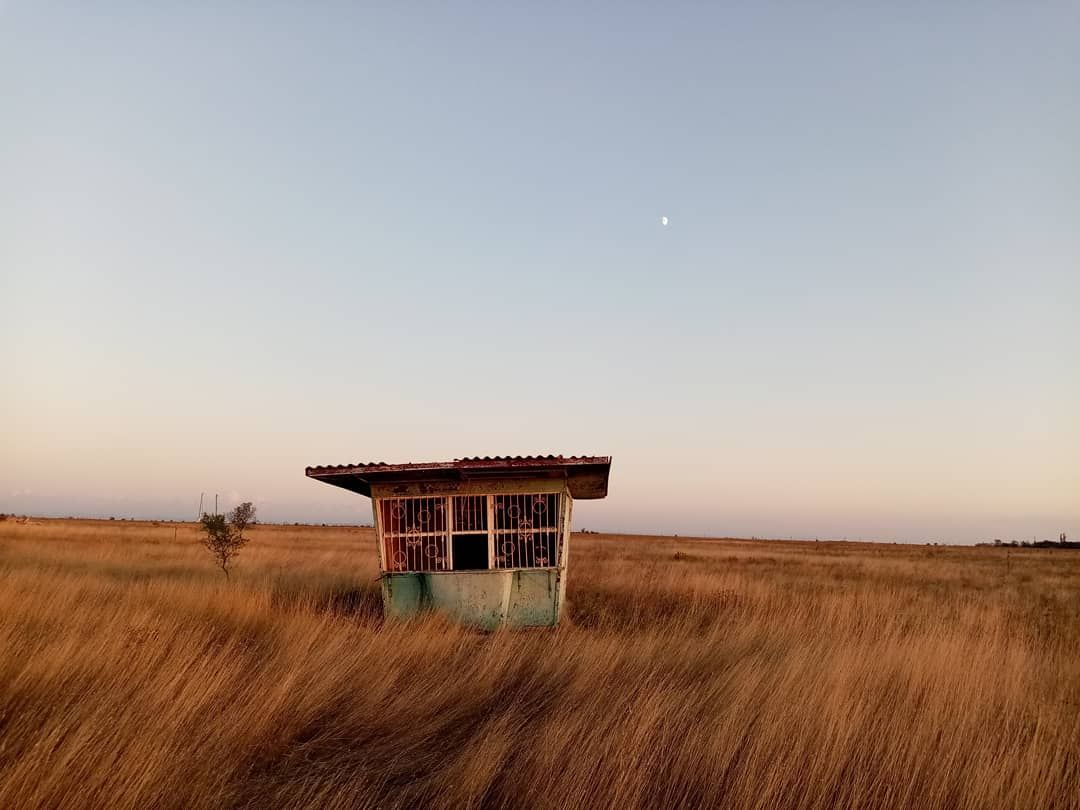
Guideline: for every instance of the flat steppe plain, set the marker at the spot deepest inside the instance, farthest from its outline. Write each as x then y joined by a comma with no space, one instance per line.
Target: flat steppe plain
719,673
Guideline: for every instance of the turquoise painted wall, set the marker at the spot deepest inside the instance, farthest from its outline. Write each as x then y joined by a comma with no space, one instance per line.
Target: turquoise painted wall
484,599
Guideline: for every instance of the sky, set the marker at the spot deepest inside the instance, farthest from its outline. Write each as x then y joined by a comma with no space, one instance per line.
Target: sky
240,239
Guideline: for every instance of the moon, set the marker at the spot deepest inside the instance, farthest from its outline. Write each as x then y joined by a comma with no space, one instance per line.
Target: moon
664,221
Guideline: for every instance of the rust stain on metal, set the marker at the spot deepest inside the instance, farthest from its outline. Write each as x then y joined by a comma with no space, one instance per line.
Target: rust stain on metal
468,463
587,475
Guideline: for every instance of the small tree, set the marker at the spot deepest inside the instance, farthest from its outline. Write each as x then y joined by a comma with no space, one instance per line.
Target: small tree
225,534
242,516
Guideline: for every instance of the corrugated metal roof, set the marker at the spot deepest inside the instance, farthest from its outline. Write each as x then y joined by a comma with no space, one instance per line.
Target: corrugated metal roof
548,457
471,462
587,474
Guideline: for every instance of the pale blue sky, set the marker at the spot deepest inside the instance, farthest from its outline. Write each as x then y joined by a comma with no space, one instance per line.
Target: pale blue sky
235,241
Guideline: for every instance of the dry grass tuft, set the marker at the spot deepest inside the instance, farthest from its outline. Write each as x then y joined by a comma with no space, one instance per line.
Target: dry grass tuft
688,673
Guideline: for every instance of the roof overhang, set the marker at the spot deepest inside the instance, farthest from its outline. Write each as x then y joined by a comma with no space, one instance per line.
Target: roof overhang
586,476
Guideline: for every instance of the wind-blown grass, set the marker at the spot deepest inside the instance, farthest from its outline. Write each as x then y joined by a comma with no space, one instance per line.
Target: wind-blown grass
687,673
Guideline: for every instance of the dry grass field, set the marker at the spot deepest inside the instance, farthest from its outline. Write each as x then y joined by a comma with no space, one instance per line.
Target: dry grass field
687,673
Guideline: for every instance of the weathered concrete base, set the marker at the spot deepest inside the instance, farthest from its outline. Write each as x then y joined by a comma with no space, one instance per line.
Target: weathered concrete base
482,598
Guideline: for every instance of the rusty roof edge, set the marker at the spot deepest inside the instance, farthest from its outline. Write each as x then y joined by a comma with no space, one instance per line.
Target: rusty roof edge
494,463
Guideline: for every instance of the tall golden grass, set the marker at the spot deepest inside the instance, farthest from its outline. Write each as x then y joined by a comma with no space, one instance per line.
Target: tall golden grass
687,673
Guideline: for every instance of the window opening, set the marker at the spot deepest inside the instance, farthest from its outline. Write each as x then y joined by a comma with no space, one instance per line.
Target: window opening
471,532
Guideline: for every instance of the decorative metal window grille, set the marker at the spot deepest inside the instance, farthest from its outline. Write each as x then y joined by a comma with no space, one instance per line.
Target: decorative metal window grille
526,530
415,534
483,531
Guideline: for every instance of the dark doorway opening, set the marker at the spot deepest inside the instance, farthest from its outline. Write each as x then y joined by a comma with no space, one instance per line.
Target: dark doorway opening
470,552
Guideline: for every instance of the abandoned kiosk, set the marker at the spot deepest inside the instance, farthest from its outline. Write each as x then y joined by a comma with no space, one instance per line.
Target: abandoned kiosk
484,539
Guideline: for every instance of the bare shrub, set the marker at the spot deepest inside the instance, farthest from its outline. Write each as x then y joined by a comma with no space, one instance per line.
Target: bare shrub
225,534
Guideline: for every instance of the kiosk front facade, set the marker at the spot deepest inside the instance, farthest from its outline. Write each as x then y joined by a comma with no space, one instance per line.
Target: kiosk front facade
483,540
